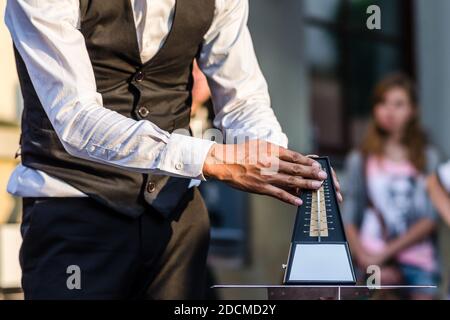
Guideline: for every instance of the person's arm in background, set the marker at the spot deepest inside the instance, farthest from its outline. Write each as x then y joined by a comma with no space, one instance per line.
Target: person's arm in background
438,185
425,226
354,242
243,109
416,233
54,51
353,207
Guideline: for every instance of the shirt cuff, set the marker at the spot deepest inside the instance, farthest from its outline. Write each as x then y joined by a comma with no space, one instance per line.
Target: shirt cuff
443,174
279,139
184,156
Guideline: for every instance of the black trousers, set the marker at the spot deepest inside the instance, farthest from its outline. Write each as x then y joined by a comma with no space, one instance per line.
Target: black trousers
76,248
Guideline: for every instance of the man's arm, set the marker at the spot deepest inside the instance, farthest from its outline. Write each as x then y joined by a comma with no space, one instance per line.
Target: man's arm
242,109
239,90
54,51
56,58
418,232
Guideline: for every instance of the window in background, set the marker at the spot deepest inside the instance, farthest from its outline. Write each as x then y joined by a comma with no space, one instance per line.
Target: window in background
345,60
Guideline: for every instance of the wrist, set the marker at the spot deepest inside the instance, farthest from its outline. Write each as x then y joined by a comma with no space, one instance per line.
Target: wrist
210,161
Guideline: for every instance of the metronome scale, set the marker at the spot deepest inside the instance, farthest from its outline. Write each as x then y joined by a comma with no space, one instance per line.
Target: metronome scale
319,252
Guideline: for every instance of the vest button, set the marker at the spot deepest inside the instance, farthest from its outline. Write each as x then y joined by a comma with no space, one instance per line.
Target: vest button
151,186
139,76
143,112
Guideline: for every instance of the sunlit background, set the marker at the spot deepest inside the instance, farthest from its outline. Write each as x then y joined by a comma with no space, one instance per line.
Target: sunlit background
321,63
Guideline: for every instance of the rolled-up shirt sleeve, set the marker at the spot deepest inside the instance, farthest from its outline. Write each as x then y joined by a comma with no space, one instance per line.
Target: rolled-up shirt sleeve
239,90
54,51
443,174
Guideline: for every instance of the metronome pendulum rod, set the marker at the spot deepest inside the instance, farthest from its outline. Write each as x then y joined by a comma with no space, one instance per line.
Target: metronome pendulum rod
319,225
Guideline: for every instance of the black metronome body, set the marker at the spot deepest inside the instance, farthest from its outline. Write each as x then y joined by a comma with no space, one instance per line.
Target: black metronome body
319,252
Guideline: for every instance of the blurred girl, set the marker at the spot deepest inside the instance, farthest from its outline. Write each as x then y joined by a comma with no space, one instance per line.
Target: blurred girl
389,218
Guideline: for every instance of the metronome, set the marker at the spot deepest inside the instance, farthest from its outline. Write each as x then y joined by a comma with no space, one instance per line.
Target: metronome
319,252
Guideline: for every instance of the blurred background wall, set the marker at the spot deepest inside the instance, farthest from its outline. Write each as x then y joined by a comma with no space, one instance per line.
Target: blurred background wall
321,63
433,68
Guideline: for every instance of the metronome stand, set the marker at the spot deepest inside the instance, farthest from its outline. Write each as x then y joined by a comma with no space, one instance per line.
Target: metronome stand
320,292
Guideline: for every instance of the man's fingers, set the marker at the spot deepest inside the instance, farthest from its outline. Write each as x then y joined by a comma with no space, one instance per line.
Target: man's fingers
337,186
293,191
304,171
282,195
289,181
295,157
297,171
294,175
335,180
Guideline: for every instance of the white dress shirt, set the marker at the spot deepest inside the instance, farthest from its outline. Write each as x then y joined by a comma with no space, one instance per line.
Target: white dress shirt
46,34
443,173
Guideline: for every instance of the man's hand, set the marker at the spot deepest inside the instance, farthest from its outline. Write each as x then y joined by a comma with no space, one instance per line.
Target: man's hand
336,183
264,168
